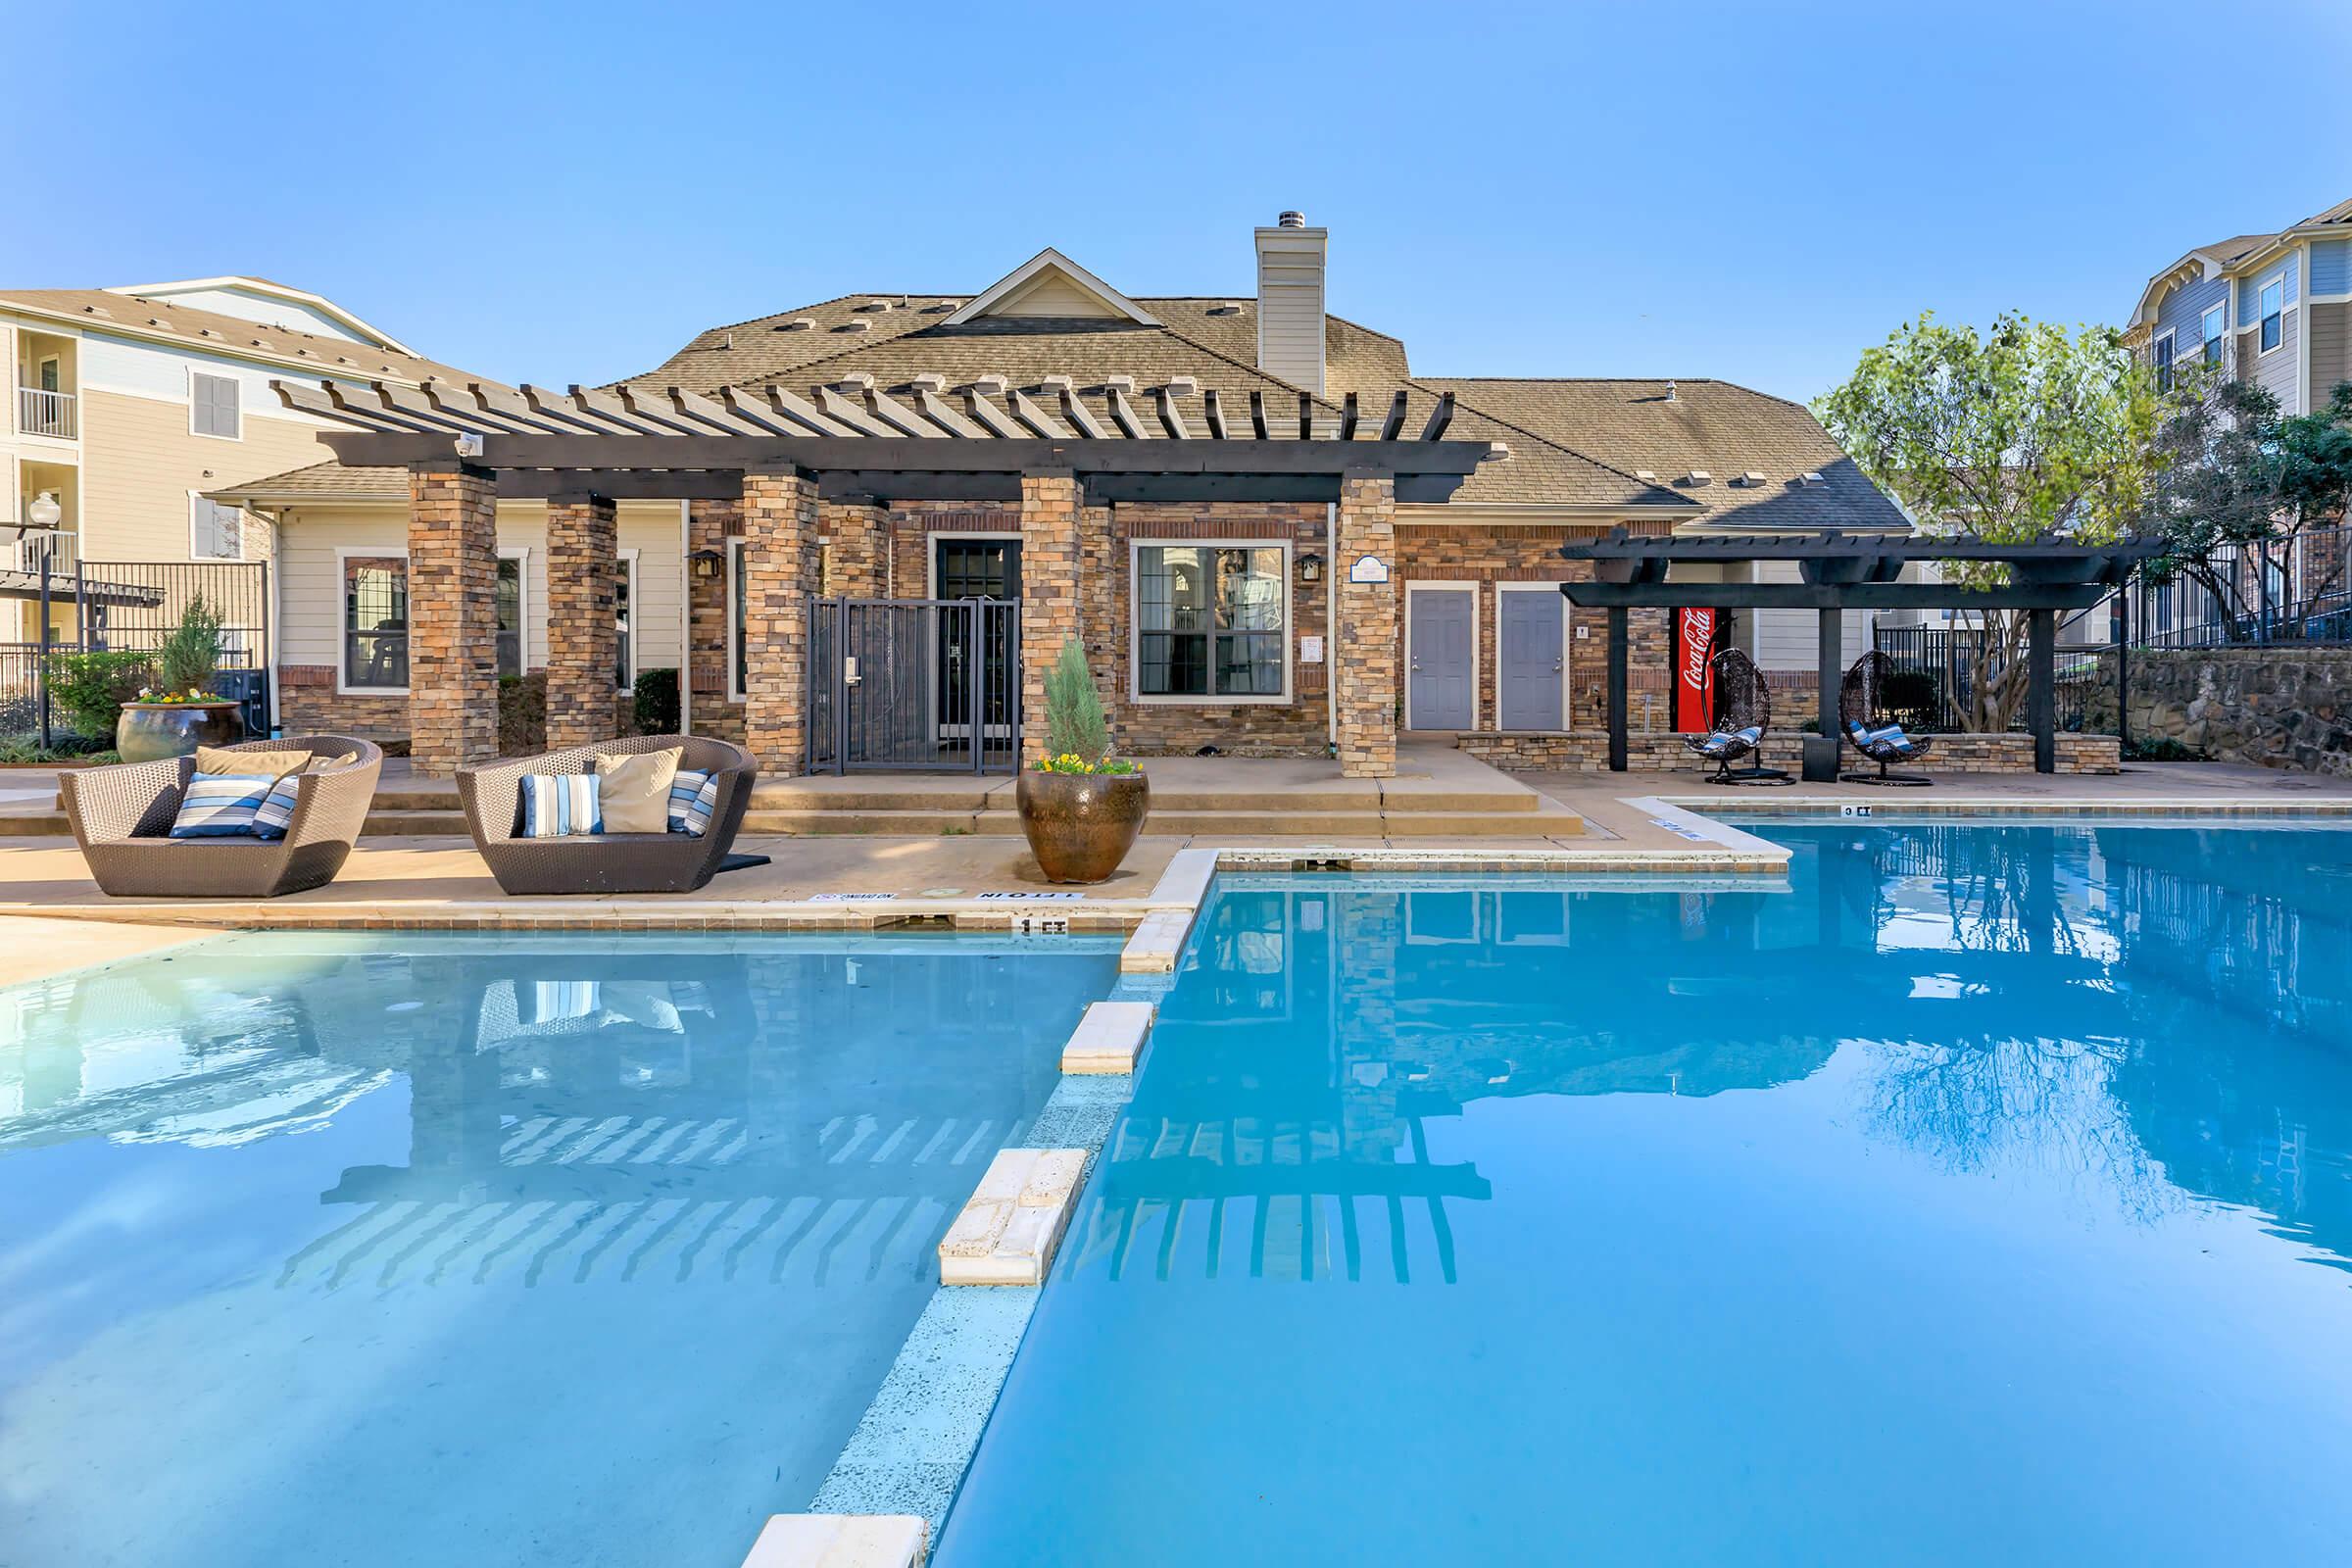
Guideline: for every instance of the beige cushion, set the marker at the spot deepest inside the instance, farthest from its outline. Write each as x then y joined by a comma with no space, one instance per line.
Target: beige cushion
319,764
633,790
218,760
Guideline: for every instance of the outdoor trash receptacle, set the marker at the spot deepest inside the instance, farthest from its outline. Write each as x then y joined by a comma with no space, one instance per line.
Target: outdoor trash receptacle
1820,759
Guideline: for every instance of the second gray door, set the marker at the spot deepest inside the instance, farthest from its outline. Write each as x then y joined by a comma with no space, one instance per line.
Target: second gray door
1529,655
1441,652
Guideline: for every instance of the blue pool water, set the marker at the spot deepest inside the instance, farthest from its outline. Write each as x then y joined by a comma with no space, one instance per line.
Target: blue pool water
1983,1197
482,1251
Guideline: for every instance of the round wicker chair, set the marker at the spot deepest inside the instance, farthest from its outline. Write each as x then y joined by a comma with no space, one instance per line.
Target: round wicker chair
609,862
1743,719
1872,729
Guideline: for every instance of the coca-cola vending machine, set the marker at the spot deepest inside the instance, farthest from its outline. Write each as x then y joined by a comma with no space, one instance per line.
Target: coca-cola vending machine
1694,671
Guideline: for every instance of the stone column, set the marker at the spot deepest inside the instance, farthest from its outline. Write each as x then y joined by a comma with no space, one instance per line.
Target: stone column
453,618
583,642
710,524
1049,577
857,565
780,568
1363,660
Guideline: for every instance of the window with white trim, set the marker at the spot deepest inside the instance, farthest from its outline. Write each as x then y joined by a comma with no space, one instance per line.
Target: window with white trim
214,532
213,405
2273,305
2164,362
738,584
510,617
623,570
1209,620
375,622
2214,325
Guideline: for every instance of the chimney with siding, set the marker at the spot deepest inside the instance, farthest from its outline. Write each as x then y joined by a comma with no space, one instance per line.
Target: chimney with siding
1290,301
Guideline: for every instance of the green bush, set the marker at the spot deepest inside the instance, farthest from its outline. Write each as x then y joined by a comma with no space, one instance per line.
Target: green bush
657,702
88,690
2162,749
191,655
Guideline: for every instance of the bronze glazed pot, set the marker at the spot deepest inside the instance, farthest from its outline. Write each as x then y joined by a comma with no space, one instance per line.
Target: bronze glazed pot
149,732
1081,825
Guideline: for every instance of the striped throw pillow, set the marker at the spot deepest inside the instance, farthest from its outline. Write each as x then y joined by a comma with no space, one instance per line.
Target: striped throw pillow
220,805
276,810
561,805
705,807
684,790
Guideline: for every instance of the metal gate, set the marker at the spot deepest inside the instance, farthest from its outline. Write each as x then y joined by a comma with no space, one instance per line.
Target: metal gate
914,685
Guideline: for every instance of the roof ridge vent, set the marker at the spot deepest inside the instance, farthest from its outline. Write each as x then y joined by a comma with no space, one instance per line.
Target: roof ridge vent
799,323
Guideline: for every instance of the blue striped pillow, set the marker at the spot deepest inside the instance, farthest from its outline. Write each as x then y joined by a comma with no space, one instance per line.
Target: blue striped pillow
220,805
684,791
701,809
278,811
561,805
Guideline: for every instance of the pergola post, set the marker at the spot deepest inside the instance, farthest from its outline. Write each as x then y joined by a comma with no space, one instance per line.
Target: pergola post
709,670
2041,693
780,568
453,616
1619,637
584,637
1049,560
857,554
1831,655
1365,688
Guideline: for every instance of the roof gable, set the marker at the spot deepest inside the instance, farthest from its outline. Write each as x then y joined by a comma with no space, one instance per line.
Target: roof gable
1051,285
269,304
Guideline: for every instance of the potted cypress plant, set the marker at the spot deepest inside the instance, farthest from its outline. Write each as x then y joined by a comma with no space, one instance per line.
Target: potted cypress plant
180,711
1081,809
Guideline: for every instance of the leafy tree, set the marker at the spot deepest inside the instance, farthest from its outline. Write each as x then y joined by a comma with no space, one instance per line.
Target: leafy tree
2021,431
2232,471
90,689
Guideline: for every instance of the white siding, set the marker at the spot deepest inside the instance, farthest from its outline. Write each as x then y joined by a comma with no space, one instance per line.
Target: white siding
1790,639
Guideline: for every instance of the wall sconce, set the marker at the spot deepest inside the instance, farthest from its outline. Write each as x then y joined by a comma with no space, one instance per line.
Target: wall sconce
706,563
1311,568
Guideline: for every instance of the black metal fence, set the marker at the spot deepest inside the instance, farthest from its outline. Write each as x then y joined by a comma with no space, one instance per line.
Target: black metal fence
1937,670
2296,589
923,684
58,604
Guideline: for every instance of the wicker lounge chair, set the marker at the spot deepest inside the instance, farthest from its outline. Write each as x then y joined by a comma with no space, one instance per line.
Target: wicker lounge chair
607,862
1743,719
1871,729
122,817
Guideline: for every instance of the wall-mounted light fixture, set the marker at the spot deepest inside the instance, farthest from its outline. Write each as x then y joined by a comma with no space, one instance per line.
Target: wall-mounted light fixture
1311,568
706,563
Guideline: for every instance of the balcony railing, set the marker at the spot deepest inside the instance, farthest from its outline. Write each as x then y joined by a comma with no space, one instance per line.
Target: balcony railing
41,412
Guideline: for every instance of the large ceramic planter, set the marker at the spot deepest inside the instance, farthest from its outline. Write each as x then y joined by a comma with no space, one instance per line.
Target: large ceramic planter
149,732
1081,825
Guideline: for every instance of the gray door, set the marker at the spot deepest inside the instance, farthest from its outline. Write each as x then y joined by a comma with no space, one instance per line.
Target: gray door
1442,635
1529,655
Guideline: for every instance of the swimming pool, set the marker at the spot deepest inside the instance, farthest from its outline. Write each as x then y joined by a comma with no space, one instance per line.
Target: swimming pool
1986,1196
486,1249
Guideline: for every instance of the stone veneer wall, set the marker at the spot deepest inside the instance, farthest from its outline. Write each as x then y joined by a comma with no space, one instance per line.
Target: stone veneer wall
453,620
2287,708
711,711
582,640
1051,560
307,704
1365,662
1587,750
781,569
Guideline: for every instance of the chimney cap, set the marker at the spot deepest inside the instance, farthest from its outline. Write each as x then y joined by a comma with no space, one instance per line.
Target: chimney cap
1291,220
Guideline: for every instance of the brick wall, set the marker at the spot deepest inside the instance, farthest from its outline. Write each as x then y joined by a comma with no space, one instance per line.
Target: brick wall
1052,564
781,568
453,618
1365,656
582,639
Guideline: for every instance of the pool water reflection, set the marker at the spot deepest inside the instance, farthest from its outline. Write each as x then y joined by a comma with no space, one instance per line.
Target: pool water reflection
1985,1195
555,1250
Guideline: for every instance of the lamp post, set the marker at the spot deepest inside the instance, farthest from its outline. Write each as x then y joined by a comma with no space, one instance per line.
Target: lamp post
43,514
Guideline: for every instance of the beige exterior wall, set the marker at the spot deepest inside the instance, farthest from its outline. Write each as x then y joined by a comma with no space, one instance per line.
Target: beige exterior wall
310,586
141,463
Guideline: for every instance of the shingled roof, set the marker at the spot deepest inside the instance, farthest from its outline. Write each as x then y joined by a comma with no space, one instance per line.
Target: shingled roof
100,310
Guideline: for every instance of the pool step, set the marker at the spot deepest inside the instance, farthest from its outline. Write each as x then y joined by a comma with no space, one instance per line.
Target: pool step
840,1541
1110,1039
1010,1228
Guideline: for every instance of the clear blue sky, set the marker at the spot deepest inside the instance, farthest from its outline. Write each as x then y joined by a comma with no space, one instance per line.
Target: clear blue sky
1755,192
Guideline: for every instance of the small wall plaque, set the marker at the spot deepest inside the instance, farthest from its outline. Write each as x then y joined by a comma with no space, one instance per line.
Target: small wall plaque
1368,568
1311,649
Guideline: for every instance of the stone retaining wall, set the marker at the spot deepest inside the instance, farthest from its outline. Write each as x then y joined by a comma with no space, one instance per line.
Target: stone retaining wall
2287,708
1588,752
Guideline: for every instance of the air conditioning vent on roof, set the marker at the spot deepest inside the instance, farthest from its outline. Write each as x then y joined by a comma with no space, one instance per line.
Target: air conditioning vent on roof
1645,473
1751,479
799,323
1229,307
1698,476
1811,481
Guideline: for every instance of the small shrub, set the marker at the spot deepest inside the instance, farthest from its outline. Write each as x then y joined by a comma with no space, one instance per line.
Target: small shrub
656,695
2162,749
88,690
191,654
1075,727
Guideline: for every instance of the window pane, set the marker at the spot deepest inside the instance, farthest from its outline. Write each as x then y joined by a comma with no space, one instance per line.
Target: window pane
1249,664
621,619
375,622
1172,591
510,615
1173,665
1249,589
742,584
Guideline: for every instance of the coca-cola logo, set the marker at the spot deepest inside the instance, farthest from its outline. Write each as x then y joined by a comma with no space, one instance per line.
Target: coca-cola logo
1698,631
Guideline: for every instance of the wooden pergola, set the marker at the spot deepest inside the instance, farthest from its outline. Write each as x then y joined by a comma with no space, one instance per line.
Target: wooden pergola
1049,450
1839,571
